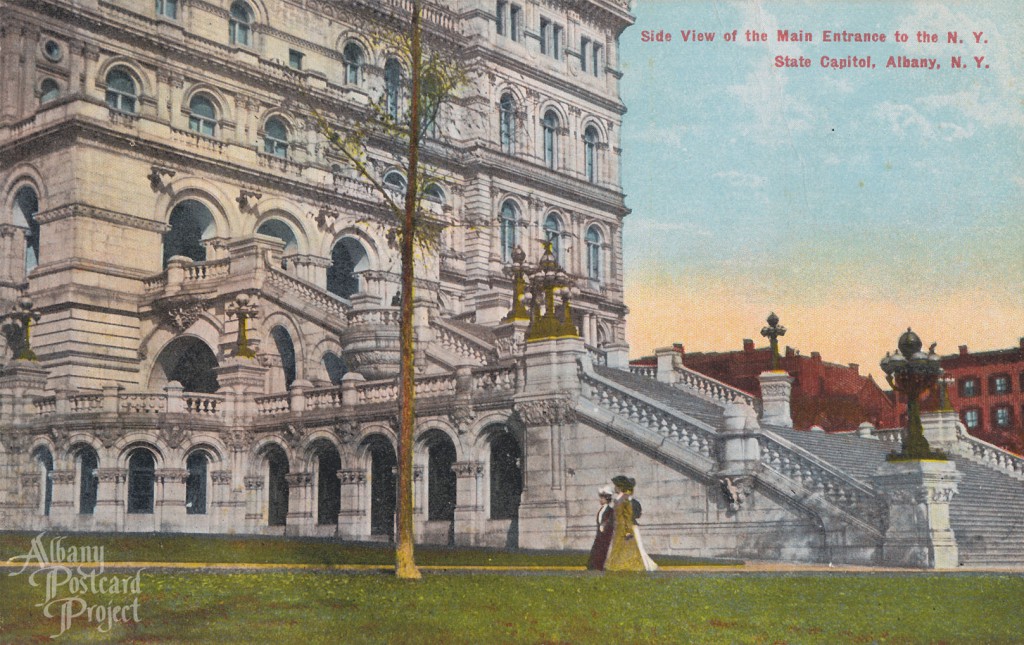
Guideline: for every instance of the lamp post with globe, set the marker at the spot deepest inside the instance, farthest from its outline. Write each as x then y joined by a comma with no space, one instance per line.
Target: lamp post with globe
913,372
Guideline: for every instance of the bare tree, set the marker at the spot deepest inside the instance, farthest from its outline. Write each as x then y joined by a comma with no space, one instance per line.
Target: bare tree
433,80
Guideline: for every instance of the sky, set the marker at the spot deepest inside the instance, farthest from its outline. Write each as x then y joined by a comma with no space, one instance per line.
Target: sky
854,203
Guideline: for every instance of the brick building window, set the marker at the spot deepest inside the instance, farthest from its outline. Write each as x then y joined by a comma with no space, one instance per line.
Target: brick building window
1002,416
999,384
972,418
970,386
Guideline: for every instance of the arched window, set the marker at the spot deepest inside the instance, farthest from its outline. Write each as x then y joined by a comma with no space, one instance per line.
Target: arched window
275,138
122,94
395,181
86,466
167,8
506,477
188,361
507,114
141,477
280,230
553,234
277,486
590,140
382,487
49,90
550,125
335,366
191,223
433,193
509,232
195,484
240,25
328,486
353,56
348,259
202,115
26,205
594,253
441,482
392,87
44,460
286,350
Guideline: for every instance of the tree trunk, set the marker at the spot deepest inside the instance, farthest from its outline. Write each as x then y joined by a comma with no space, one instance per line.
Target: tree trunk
405,562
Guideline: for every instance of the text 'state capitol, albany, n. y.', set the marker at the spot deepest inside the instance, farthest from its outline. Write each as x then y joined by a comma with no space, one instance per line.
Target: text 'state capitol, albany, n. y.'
202,304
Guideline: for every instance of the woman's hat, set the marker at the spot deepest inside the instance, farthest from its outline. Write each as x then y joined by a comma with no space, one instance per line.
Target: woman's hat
623,483
606,491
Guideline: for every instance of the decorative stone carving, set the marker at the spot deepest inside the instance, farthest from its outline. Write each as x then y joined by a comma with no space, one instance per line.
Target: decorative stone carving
110,475
943,495
555,411
345,430
468,469
63,477
59,434
240,438
293,433
253,482
736,489
156,174
462,417
182,312
108,434
509,347
299,479
352,477
173,435
221,476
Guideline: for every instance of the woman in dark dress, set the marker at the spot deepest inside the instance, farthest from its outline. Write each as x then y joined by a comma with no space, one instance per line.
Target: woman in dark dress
605,529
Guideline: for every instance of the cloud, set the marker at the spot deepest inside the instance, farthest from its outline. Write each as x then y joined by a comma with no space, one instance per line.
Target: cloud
738,179
668,136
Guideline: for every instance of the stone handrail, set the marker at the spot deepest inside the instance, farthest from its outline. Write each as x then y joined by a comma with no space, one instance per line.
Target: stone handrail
889,435
324,301
203,404
650,371
273,404
814,474
200,271
45,405
990,455
710,389
383,316
142,402
377,392
323,398
597,355
155,283
650,414
456,341
85,402
490,381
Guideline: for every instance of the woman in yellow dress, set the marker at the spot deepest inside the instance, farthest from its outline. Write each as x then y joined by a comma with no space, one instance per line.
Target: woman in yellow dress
626,552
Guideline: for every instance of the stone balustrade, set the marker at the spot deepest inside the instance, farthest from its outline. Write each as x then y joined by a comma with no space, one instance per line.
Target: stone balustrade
273,404
502,380
598,356
321,300
993,456
455,342
710,389
650,371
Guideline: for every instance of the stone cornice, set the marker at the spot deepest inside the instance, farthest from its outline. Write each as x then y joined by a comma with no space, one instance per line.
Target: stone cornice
69,211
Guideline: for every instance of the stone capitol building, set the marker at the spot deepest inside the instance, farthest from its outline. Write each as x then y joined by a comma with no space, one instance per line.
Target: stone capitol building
201,303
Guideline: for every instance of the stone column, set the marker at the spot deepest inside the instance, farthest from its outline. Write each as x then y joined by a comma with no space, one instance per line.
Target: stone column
739,454
62,505
226,513
469,502
170,499
110,504
254,516
776,388
919,493
10,77
353,519
667,358
940,429
300,504
30,44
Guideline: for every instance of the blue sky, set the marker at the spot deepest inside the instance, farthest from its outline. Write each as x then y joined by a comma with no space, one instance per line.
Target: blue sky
852,202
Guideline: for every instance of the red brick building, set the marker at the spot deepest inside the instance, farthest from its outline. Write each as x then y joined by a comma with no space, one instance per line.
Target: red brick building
989,393
835,397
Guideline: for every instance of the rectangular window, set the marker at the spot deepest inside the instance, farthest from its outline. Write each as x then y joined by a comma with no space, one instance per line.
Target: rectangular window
545,35
499,17
972,419
167,8
1003,416
515,22
1000,384
584,52
970,387
295,59
556,42
596,60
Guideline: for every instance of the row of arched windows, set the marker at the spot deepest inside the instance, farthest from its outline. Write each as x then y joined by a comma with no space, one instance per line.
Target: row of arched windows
508,115
510,221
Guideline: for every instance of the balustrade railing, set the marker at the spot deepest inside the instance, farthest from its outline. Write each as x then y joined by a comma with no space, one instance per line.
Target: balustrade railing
457,343
597,355
502,380
711,389
650,371
273,404
203,404
322,300
985,453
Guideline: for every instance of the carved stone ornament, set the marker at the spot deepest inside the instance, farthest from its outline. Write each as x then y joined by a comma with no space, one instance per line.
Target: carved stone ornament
462,417
468,468
181,313
253,482
173,435
736,489
59,434
352,477
508,347
555,411
221,476
292,434
943,495
296,480
63,477
108,435
14,442
346,430
240,438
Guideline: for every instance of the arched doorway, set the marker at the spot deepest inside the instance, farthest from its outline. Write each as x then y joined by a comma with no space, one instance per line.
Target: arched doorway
506,481
348,259
191,223
87,478
197,466
441,481
383,487
141,481
44,462
188,361
328,486
286,351
277,486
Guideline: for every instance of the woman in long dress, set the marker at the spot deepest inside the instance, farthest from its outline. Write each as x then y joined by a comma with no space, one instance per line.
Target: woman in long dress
626,553
605,528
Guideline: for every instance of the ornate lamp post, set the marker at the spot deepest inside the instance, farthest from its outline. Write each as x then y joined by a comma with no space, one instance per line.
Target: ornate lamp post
244,309
21,319
772,333
545,279
912,372
518,273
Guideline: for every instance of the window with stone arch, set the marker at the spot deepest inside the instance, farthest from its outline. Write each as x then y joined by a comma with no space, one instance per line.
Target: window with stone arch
87,479
553,234
141,481
26,206
286,352
433,193
197,465
590,156
49,90
275,138
281,230
202,118
191,224
167,9
441,480
506,481
550,125
509,229
594,241
335,367
348,260
44,462
240,23
394,180
122,91
354,60
507,126
392,87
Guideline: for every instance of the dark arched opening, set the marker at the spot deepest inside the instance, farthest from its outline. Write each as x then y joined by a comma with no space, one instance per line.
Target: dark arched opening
141,479
506,477
88,480
382,488
195,485
188,361
286,350
440,478
191,222
335,366
328,486
45,461
277,486
348,258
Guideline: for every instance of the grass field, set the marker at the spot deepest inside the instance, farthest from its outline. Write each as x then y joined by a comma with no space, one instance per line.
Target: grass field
309,607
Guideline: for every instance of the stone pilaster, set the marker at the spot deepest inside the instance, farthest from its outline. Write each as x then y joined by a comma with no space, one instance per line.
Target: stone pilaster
227,512
62,506
169,505
300,503
353,518
470,509
776,389
110,496
254,503
919,493
739,454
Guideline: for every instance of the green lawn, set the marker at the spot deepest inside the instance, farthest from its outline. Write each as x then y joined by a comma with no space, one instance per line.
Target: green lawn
306,607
